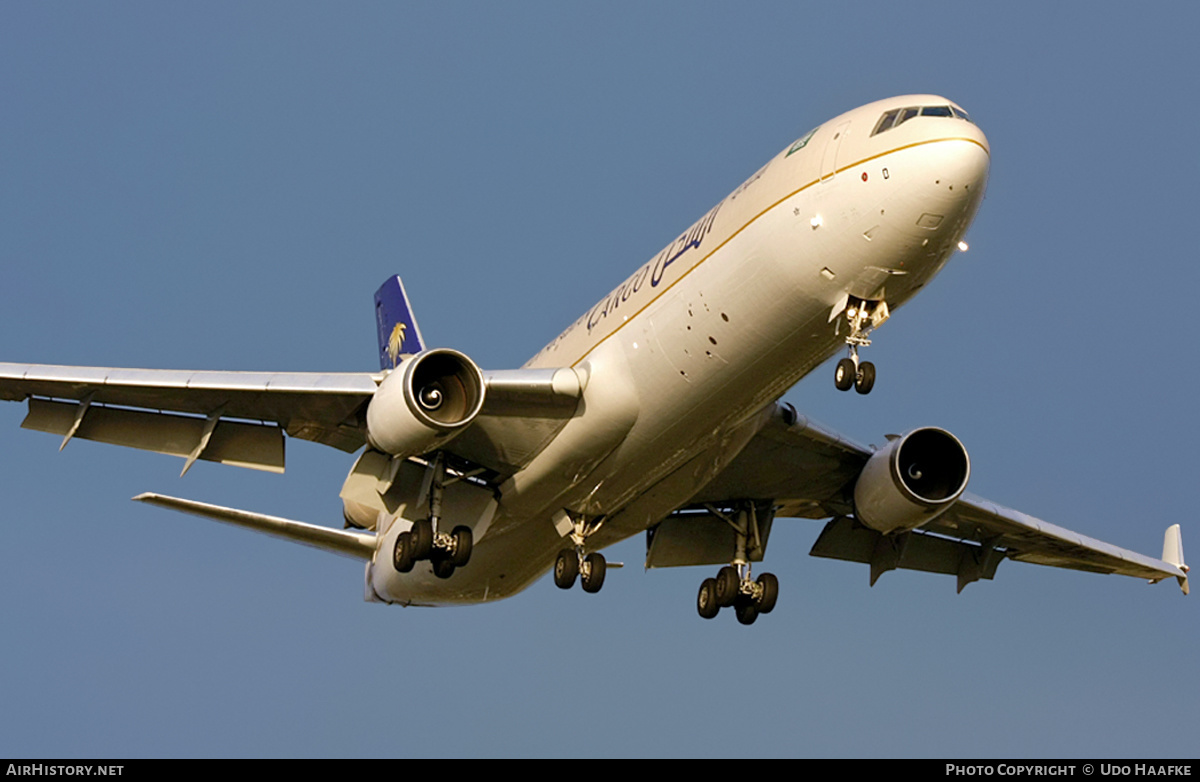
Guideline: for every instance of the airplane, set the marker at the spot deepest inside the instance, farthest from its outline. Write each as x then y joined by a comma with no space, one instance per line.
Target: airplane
656,412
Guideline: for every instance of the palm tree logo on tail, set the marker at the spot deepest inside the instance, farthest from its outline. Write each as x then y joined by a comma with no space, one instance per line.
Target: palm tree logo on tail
395,341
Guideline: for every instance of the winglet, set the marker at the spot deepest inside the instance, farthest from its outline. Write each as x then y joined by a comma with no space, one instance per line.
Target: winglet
397,327
1173,553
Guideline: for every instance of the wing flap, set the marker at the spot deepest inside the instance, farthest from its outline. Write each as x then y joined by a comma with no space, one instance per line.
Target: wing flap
235,443
845,539
685,540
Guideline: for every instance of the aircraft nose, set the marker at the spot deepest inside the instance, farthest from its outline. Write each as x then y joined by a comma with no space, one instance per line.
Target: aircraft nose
964,168
972,170
974,163
955,178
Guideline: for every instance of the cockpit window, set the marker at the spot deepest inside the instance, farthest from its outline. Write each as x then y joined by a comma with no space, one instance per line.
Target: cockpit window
894,118
885,122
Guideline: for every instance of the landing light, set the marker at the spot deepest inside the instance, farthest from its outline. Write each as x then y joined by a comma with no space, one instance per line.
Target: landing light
816,221
962,247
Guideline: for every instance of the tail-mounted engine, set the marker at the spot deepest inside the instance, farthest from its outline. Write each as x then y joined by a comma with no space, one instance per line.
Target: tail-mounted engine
911,481
424,403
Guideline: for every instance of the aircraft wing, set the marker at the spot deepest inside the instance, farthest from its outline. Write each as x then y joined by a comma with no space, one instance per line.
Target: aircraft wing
809,471
231,417
239,418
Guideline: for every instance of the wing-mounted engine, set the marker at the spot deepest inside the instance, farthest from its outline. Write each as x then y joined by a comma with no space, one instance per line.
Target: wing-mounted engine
424,403
911,481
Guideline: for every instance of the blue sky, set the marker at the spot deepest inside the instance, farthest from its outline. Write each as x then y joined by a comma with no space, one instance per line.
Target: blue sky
223,186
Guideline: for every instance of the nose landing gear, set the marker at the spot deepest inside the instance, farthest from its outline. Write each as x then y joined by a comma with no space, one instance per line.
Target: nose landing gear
863,316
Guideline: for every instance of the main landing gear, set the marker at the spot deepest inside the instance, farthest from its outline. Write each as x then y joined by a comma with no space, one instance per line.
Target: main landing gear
572,563
863,316
734,588
445,551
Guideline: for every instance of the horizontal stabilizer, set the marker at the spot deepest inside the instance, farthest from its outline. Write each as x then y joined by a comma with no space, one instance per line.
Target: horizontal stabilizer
359,545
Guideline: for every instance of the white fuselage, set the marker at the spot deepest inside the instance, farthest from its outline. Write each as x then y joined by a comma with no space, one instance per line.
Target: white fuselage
680,357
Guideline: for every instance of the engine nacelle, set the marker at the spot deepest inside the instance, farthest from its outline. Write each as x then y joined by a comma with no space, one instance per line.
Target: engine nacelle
424,403
912,480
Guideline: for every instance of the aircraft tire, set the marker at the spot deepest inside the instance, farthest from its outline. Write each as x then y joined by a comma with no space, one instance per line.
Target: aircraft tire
706,602
594,575
844,374
566,568
443,567
402,558
866,378
464,542
728,586
746,613
770,592
422,535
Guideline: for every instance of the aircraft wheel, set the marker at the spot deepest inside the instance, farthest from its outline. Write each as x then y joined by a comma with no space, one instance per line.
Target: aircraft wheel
706,601
422,536
593,577
443,568
464,542
728,585
770,592
866,378
746,613
844,374
566,568
402,553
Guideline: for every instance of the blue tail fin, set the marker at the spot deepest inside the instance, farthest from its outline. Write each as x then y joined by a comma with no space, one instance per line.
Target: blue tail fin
398,332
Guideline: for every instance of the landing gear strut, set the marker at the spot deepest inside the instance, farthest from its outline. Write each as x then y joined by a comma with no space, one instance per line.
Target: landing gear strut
734,587
445,551
863,316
